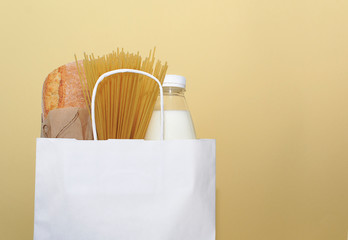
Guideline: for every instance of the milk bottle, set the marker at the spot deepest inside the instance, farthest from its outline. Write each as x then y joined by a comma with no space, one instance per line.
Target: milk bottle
177,118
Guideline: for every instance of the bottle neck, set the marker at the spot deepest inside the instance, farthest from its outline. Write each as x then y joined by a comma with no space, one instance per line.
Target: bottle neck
174,91
173,99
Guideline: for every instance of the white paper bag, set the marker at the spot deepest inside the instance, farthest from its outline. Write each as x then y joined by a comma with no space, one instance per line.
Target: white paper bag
124,189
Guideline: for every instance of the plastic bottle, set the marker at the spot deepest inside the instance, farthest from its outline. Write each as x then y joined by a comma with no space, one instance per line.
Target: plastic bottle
177,118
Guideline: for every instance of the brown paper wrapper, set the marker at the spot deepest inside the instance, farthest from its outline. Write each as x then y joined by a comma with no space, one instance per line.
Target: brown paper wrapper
70,122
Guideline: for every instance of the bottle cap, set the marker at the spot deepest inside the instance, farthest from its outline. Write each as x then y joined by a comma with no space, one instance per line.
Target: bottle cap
174,81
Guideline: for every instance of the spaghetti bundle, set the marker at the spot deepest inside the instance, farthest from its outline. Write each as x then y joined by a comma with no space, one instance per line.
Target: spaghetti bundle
124,101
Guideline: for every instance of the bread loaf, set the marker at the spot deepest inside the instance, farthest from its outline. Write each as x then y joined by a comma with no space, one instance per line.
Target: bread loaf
62,89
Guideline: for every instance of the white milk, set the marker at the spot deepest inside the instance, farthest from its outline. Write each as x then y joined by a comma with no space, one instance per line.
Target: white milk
177,125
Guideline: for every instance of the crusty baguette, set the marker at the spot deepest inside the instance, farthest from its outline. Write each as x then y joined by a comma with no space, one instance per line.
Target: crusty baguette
62,88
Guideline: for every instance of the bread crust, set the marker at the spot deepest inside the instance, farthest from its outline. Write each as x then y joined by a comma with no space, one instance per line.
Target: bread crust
62,88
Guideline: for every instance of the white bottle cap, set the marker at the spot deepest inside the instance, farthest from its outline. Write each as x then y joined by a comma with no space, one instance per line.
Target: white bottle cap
174,81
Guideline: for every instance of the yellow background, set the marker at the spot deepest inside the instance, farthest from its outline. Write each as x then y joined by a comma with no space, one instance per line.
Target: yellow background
268,79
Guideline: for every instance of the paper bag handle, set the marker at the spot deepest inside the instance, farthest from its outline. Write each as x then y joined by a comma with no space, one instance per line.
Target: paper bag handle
101,78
